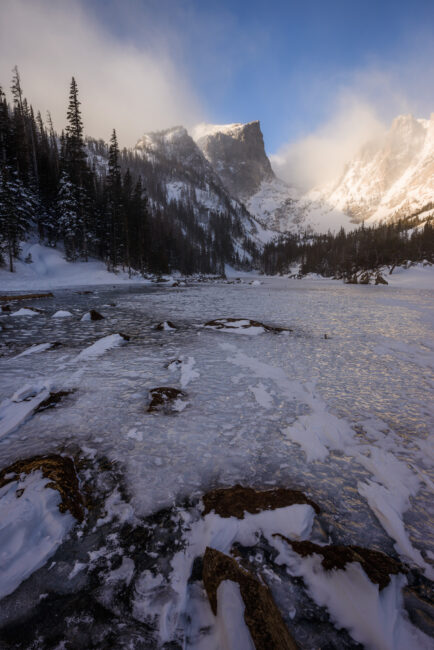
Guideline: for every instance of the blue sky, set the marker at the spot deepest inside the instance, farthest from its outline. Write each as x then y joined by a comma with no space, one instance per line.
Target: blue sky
285,62
297,66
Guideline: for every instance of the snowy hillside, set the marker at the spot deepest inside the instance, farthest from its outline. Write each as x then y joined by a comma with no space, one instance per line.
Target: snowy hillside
48,269
221,168
189,178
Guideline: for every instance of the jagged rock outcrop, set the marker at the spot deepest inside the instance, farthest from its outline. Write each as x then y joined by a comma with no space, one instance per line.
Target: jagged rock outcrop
237,154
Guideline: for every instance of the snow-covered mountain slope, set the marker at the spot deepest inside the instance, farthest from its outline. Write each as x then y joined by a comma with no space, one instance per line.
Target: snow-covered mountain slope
189,178
283,208
389,178
237,154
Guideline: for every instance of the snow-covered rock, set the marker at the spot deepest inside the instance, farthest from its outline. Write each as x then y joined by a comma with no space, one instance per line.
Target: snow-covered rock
101,346
62,313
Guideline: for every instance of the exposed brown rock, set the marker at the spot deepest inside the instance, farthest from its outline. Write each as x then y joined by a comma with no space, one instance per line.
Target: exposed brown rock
262,617
351,279
380,280
52,400
63,478
162,397
377,566
6,308
124,336
364,278
225,323
26,296
236,500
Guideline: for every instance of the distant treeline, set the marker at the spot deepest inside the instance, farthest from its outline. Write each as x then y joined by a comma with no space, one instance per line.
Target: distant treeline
346,253
96,205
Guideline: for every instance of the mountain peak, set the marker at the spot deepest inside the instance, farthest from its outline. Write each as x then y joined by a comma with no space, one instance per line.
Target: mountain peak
237,153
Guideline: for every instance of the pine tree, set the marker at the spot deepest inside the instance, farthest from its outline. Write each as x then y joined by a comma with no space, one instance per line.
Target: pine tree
68,216
114,207
75,164
17,209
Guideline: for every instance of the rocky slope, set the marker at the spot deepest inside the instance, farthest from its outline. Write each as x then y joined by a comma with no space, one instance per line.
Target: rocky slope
187,176
237,154
224,169
389,178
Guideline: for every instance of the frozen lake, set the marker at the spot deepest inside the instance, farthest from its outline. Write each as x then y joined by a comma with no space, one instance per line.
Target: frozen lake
340,407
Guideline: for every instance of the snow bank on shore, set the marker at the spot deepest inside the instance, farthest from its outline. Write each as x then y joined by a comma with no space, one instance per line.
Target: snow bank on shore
49,269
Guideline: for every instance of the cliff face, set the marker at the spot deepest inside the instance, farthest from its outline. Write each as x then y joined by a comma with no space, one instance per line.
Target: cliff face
237,153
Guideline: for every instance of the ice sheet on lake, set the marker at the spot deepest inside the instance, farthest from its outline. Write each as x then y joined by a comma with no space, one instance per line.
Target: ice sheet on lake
363,410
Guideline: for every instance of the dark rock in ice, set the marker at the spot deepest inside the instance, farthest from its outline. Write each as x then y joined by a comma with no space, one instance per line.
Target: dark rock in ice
262,617
380,280
163,397
377,566
364,278
63,478
236,500
53,400
6,308
351,279
243,323
94,315
174,362
84,293
124,336
166,325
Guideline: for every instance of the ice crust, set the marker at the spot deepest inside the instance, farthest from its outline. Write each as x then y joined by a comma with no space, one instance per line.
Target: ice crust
374,618
31,528
348,419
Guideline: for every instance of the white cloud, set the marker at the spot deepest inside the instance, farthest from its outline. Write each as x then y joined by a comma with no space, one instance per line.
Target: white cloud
359,110
319,157
123,86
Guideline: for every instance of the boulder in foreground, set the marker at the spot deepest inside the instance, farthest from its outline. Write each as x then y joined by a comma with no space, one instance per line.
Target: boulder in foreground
262,617
166,399
244,326
236,500
377,566
63,478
